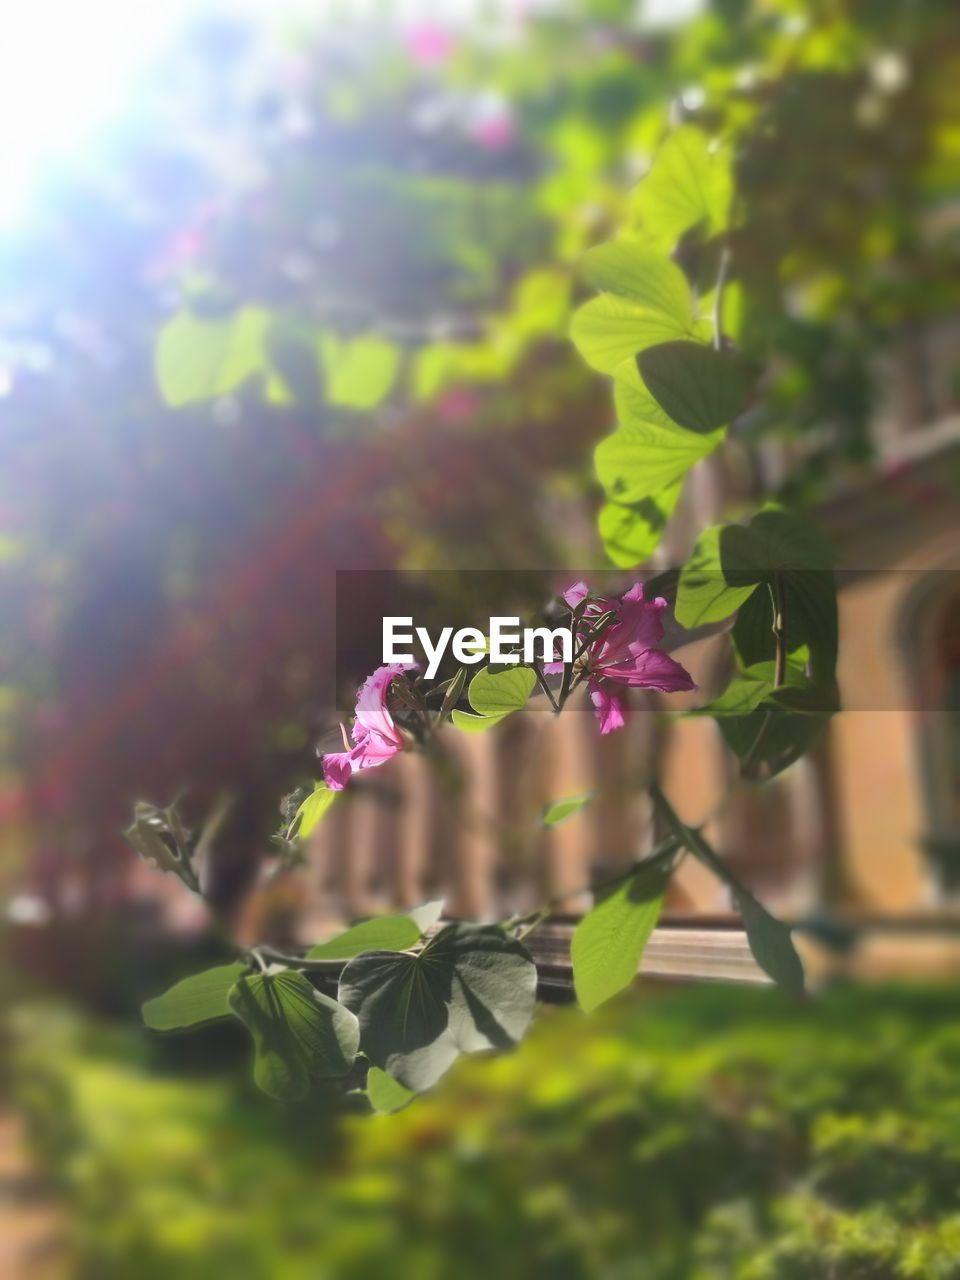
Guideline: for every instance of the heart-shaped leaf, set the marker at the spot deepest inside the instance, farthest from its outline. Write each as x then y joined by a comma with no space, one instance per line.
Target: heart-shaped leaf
358,372
474,724
195,1000
470,988
710,587
650,280
631,532
698,387
690,184
609,331
200,359
299,1034
500,692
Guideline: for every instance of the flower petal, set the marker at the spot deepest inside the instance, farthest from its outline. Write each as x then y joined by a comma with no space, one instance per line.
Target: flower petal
649,669
372,713
610,705
573,595
337,769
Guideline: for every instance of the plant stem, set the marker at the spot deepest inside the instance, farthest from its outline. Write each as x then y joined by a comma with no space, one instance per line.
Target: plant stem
298,962
542,682
718,298
534,919
779,629
691,839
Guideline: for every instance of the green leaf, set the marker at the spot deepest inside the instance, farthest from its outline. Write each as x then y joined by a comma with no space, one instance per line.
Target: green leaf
560,810
299,1034
689,185
644,457
745,692
201,359
699,388
770,941
474,724
652,281
427,914
609,332
312,810
500,692
541,304
384,933
386,1094
200,998
771,944
452,695
709,590
632,531
771,736
470,988
608,942
359,372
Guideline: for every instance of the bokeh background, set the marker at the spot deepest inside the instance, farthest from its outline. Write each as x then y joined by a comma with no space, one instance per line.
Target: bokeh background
401,193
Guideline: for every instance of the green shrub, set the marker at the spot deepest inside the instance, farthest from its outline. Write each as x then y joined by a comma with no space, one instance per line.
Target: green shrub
702,1134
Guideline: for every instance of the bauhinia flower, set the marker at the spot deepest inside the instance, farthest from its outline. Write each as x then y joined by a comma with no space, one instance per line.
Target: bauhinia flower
625,652
377,739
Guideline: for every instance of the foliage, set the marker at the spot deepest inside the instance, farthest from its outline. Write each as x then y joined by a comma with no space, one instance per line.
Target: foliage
464,990
705,1133
158,549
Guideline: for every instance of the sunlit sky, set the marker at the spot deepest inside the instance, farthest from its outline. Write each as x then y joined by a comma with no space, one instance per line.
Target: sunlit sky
66,66
69,67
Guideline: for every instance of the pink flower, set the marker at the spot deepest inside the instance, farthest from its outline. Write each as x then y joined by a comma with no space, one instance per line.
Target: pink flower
429,44
377,739
625,653
494,130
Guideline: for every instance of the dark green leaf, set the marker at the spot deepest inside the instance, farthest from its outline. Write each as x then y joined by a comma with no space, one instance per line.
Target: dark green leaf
299,1035
698,387
771,737
771,944
609,941
200,998
769,939
470,988
452,695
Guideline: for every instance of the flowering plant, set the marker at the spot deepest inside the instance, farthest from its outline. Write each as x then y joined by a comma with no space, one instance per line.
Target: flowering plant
394,1001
